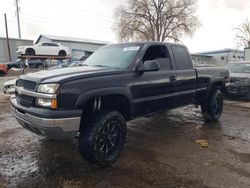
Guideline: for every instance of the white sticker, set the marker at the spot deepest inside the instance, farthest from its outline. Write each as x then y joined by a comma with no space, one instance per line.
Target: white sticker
131,48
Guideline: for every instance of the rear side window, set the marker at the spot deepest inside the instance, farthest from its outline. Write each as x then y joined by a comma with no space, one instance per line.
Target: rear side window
45,44
159,53
52,44
182,59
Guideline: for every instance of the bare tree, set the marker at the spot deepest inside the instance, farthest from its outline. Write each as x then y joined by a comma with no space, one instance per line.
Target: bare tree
243,34
157,20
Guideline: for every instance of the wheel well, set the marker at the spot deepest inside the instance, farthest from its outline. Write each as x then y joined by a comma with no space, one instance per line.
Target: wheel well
218,85
29,49
62,51
116,102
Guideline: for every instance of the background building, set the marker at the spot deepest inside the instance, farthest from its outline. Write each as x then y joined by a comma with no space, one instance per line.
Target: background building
218,57
202,59
79,47
247,53
14,43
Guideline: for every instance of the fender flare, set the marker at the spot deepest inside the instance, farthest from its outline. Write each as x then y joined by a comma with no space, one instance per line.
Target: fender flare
213,82
86,96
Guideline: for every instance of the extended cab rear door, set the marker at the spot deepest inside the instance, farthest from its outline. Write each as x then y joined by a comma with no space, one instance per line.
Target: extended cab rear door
185,84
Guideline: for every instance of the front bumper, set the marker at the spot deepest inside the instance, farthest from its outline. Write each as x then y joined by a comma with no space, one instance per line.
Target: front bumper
238,90
20,51
8,90
55,127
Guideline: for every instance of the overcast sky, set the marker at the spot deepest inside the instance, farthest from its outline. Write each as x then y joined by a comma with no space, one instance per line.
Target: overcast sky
93,19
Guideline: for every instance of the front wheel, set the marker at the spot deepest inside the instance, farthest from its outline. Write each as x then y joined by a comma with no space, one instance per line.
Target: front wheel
212,108
102,138
30,51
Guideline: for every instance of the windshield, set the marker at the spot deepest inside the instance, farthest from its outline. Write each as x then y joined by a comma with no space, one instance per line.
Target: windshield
114,56
239,67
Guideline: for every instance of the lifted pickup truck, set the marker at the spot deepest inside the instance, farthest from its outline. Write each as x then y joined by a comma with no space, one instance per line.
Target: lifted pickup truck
119,82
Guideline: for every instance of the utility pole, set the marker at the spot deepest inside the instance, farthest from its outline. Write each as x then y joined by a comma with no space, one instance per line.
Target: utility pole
7,36
18,20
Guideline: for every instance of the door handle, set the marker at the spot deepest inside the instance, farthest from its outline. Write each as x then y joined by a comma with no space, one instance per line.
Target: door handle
172,78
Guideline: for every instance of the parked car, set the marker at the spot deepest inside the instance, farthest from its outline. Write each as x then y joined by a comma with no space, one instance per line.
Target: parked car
9,87
31,64
44,49
3,69
120,82
239,85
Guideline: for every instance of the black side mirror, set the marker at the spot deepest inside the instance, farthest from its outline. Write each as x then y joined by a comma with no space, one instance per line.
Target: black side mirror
147,66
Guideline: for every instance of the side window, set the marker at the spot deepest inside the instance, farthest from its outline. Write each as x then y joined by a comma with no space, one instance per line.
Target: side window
52,44
44,44
182,59
159,53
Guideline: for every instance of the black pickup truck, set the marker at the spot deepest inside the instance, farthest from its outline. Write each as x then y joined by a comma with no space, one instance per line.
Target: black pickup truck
117,83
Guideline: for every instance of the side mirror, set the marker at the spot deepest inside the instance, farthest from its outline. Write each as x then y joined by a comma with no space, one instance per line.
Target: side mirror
147,66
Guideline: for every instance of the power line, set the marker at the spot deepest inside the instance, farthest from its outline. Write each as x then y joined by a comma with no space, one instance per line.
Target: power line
33,16
67,6
73,8
69,25
64,26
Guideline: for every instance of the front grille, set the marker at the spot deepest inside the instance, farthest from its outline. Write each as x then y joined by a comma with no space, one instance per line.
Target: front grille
26,84
25,100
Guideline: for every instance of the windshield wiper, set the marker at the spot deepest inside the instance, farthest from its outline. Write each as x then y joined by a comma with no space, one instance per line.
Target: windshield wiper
101,66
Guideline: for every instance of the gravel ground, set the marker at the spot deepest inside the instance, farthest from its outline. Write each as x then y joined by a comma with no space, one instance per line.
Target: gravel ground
160,152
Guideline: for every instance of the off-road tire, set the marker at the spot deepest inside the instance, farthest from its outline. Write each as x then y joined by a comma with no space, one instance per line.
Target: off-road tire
212,108
102,137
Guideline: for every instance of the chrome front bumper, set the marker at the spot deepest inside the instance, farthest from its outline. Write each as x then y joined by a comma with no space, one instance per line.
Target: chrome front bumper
58,129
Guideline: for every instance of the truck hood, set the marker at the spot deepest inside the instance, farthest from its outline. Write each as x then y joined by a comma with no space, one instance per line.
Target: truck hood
10,82
240,75
240,78
68,74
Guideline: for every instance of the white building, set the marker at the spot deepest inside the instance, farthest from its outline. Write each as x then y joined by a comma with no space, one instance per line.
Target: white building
220,57
247,53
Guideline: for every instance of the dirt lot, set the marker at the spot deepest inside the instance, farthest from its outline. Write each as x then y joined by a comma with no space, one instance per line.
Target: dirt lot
160,152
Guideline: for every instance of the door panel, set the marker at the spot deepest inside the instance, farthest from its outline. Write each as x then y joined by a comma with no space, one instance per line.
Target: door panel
153,91
185,86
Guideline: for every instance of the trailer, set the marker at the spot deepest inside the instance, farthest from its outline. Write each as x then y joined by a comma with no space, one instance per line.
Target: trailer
25,58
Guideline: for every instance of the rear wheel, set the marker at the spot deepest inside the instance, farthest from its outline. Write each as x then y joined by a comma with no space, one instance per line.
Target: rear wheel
212,108
62,53
102,138
30,51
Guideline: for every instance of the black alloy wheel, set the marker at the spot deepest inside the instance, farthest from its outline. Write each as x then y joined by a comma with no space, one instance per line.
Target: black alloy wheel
213,107
102,138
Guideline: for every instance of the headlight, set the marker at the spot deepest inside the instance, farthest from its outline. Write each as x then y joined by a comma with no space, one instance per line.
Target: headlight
49,103
48,88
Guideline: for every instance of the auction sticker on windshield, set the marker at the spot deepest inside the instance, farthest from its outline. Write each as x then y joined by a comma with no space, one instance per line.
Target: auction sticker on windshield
132,48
